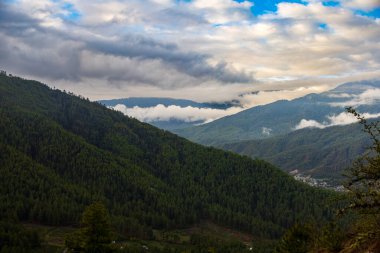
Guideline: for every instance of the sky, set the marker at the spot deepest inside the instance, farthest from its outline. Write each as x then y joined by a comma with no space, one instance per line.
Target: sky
205,50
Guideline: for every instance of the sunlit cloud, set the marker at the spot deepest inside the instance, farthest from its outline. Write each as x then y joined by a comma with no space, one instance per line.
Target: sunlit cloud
366,5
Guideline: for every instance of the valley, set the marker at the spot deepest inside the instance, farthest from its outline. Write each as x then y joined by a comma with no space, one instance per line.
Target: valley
323,147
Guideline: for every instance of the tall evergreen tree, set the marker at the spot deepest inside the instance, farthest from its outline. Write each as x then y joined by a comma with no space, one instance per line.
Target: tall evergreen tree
95,234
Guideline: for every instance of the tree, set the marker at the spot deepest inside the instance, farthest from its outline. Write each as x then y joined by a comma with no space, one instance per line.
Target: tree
363,186
95,234
364,176
297,239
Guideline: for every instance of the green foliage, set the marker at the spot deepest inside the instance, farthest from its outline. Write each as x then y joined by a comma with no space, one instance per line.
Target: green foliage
363,186
297,239
331,237
59,153
96,225
364,176
16,239
95,233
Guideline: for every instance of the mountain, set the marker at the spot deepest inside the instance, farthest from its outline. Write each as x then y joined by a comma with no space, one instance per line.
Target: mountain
59,153
320,153
283,117
165,106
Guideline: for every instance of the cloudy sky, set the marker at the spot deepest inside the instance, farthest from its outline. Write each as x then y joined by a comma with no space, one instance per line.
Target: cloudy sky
205,50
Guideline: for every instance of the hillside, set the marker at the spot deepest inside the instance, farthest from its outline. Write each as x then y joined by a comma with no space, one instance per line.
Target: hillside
59,153
321,153
282,117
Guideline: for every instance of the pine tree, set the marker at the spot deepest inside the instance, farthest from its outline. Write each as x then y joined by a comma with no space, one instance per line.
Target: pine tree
298,239
95,234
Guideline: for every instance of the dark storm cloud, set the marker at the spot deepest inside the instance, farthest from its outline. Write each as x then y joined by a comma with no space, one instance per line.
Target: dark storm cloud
190,63
31,48
10,17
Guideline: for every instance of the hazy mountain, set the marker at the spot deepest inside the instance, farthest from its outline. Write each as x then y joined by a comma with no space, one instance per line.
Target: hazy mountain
282,117
58,153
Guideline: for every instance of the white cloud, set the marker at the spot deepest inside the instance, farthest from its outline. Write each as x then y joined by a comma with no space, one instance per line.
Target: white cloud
266,131
368,97
222,11
366,5
293,10
305,123
343,118
340,95
166,113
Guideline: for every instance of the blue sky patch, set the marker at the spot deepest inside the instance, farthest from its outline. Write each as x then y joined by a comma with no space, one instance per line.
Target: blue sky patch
373,14
265,6
72,14
331,3
322,26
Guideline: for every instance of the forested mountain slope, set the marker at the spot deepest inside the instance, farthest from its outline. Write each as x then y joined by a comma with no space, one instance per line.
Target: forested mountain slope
321,153
59,152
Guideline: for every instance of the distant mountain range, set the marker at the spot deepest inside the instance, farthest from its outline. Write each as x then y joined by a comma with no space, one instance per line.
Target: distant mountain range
310,135
282,117
304,135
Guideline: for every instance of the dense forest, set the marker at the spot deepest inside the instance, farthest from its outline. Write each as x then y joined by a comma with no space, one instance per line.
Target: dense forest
59,153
